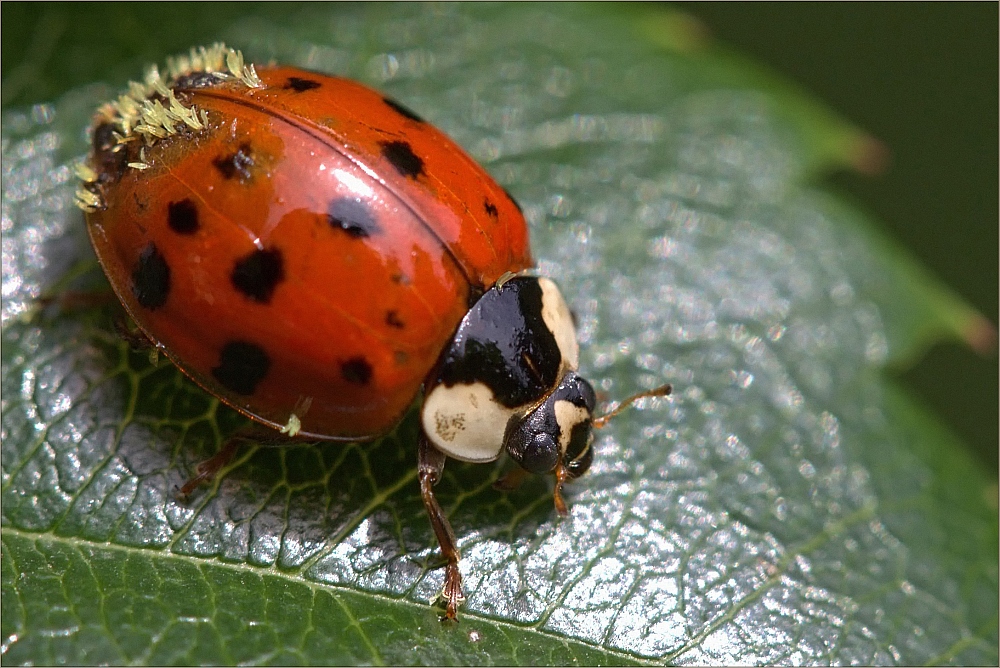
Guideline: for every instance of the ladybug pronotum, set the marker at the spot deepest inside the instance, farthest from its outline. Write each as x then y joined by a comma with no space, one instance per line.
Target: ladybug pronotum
319,257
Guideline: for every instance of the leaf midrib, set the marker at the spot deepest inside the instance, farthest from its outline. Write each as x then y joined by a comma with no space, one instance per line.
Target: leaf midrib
314,587
828,533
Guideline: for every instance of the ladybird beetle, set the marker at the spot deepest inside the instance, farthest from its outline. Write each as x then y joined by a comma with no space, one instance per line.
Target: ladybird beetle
317,256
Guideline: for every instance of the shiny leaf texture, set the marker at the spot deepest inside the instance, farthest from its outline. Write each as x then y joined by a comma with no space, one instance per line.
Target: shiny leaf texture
785,505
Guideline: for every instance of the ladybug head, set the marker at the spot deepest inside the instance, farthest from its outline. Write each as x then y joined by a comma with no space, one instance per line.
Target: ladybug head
555,436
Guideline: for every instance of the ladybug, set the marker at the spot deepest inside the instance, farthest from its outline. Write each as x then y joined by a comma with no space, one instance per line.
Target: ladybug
320,258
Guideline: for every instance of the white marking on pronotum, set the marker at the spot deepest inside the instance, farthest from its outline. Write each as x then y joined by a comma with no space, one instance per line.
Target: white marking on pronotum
558,319
465,421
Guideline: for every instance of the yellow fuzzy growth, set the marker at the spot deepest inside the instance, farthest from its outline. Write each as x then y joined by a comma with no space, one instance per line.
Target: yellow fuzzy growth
136,116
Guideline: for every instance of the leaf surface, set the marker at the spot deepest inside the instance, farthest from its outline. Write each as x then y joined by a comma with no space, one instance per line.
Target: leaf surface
785,505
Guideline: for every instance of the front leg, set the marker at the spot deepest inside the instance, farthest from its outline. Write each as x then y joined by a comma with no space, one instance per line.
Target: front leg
430,465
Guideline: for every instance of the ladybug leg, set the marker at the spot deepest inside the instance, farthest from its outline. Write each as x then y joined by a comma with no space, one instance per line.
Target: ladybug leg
209,469
430,465
562,475
135,338
65,298
72,300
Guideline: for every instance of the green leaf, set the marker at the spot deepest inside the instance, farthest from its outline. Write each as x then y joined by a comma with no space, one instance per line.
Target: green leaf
785,505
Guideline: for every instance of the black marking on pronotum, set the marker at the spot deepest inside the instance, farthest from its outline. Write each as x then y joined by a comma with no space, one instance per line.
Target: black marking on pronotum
151,278
357,371
491,209
258,273
403,110
353,217
237,164
504,342
242,365
475,294
300,85
182,217
392,319
402,158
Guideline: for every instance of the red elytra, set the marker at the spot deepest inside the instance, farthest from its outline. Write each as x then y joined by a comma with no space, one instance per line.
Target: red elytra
309,251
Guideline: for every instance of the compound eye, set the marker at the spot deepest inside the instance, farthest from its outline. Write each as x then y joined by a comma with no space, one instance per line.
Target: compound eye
540,454
531,445
533,440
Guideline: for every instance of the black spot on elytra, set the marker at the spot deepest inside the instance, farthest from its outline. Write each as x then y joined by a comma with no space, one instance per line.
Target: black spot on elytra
511,198
182,217
491,209
356,370
257,274
300,85
402,157
236,164
242,365
353,217
392,319
402,110
151,278
196,80
400,279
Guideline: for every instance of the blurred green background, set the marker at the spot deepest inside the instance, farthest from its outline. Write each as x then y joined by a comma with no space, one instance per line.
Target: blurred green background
923,78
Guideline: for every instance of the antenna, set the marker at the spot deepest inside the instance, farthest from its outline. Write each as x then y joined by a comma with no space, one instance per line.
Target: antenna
660,391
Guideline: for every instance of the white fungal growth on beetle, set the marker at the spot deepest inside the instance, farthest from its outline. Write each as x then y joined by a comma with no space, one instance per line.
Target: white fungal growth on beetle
150,111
